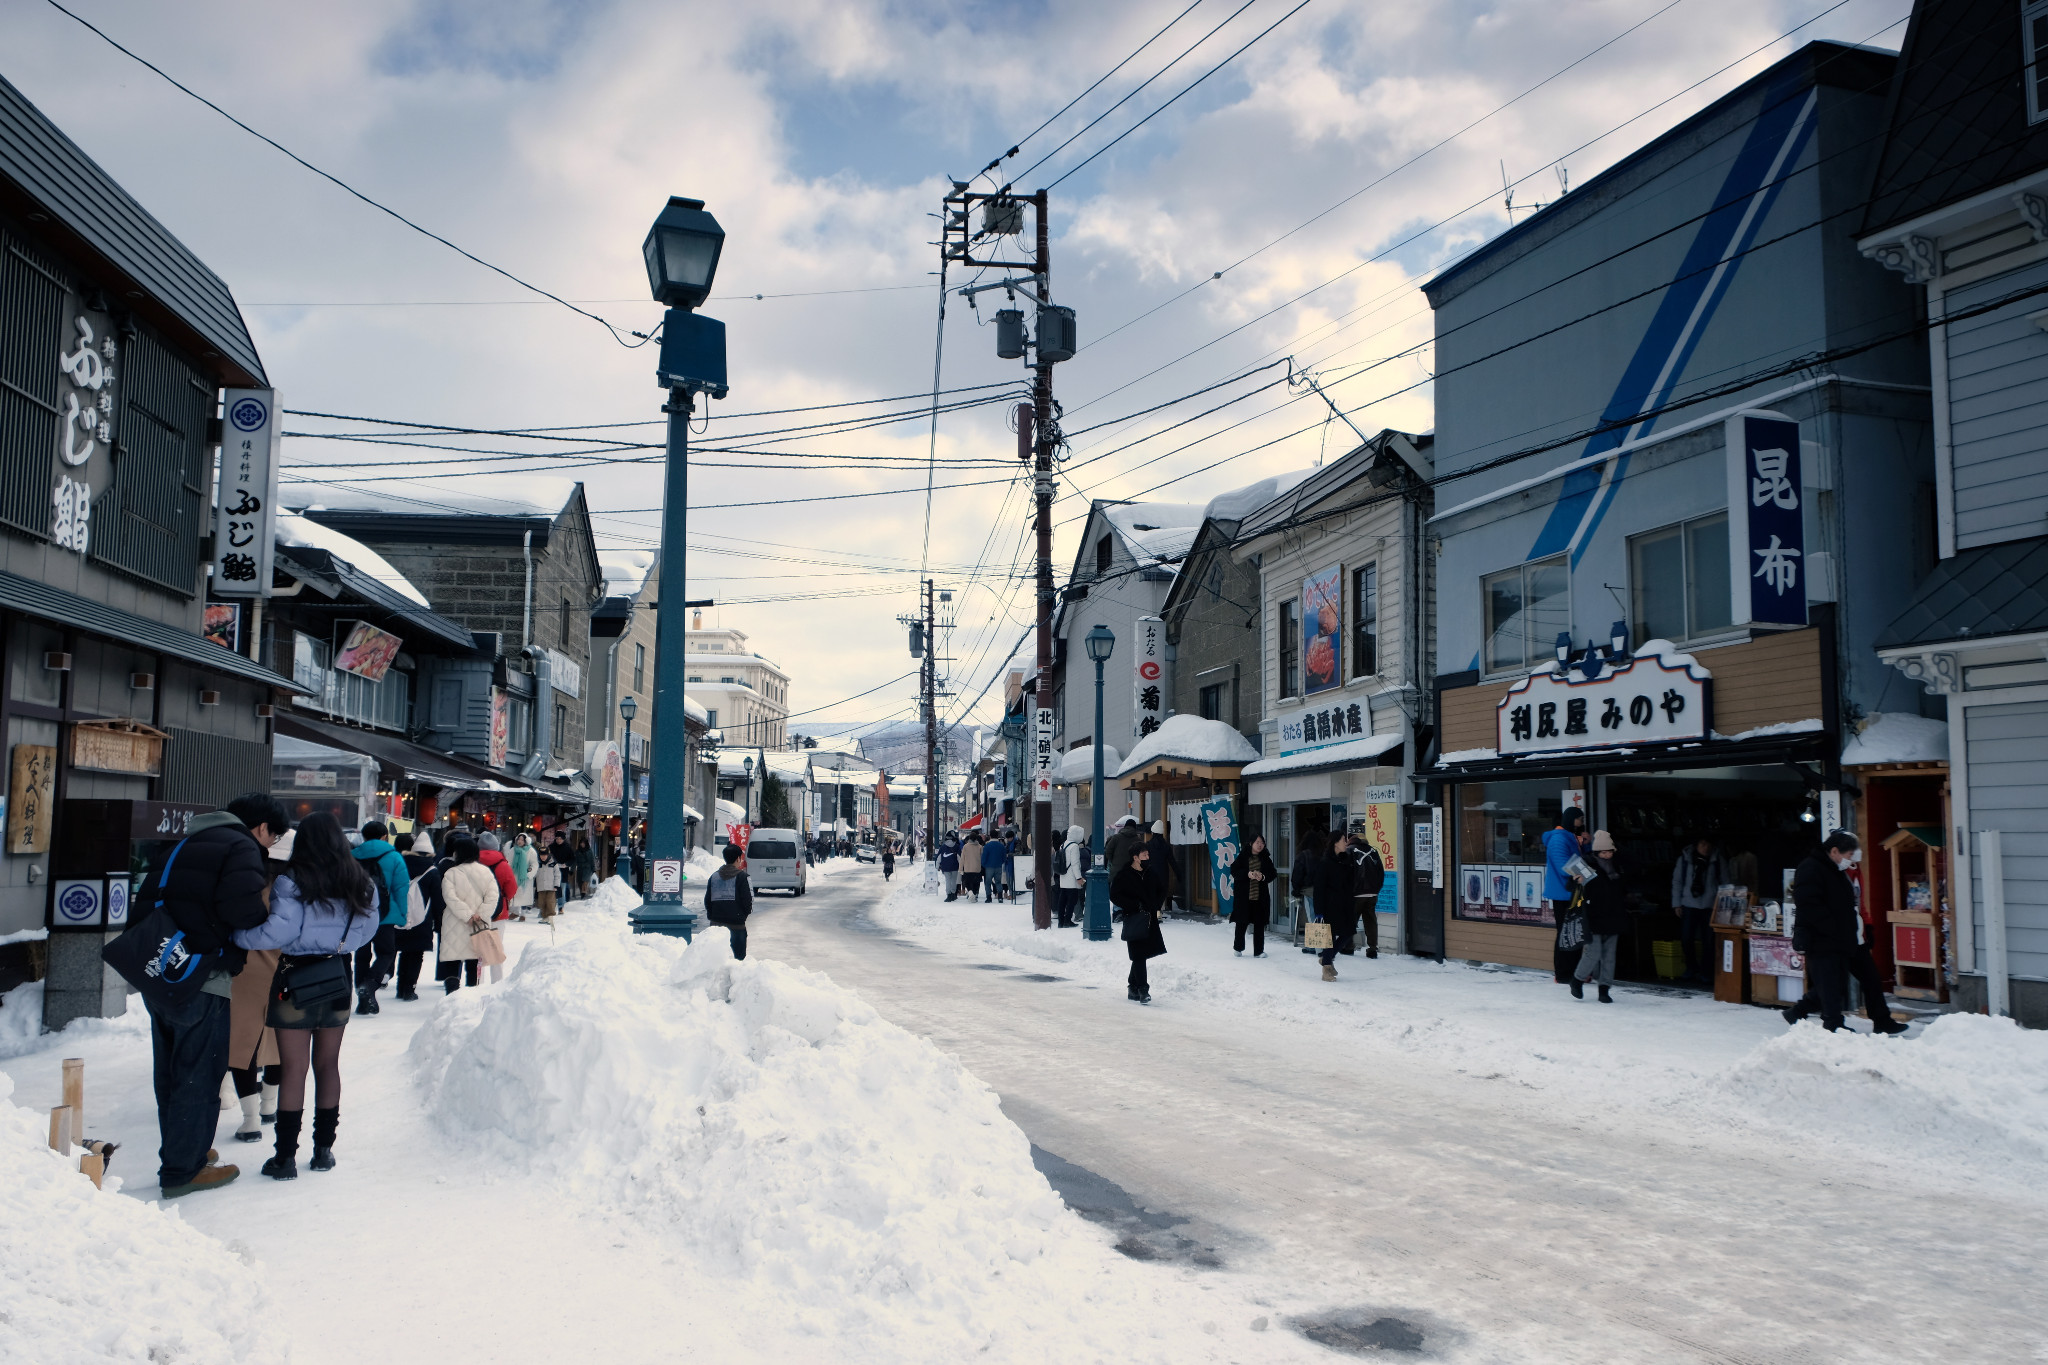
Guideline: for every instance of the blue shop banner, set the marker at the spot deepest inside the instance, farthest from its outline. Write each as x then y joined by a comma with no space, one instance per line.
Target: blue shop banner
1766,521
1219,829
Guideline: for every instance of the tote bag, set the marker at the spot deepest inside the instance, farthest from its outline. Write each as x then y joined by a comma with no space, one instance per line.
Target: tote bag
152,956
1319,934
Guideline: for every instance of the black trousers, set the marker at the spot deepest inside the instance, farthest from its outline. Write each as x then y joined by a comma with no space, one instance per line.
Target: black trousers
1069,906
1343,942
1828,993
738,929
409,963
1140,981
456,974
189,1049
374,959
1695,931
1258,928
1371,916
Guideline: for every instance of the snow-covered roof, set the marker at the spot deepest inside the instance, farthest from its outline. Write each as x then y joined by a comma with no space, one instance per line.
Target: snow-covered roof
293,529
1155,531
696,712
1192,740
1329,756
624,570
490,495
1078,764
1239,503
1898,737
730,811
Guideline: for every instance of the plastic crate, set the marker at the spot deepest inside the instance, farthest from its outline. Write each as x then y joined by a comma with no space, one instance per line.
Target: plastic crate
1670,958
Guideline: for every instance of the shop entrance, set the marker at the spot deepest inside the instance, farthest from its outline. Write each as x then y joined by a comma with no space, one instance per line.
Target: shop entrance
1761,820
1292,825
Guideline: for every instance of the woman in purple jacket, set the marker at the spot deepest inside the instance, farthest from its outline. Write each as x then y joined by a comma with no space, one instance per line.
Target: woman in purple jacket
322,908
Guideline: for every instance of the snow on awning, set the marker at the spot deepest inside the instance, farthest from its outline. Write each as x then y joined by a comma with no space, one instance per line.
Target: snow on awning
1078,765
1896,737
1348,754
1191,739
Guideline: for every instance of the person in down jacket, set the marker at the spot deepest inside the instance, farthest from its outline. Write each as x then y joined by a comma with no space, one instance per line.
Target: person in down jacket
469,897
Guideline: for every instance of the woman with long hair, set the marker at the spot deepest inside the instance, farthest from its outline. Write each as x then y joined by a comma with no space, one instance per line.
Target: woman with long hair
322,908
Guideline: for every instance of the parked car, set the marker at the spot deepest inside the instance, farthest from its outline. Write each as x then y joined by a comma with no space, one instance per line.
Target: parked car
775,861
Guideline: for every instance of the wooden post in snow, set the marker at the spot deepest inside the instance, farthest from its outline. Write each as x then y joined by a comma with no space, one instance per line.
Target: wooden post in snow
74,1094
60,1129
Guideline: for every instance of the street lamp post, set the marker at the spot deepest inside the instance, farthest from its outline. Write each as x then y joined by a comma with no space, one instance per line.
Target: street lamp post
748,764
623,867
681,251
1101,643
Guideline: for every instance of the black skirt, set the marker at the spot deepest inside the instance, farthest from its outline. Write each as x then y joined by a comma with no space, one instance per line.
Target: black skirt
332,1014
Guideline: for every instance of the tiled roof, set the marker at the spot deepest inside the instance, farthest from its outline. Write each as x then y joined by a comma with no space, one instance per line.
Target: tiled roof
1992,591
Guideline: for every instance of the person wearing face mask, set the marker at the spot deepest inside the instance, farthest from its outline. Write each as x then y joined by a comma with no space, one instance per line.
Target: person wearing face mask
1829,931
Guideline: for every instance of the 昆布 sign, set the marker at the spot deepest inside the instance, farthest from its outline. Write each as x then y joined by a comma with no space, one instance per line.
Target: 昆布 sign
1645,701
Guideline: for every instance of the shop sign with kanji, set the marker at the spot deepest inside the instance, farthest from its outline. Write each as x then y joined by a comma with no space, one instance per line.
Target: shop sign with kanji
1645,701
1148,676
1319,725
245,515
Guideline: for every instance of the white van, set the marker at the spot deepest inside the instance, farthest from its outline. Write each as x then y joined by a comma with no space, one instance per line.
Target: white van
775,861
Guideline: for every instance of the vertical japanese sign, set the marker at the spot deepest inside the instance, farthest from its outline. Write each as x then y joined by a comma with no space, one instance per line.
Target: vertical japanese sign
1041,754
87,444
1219,828
1382,821
243,535
501,726
1322,630
1766,521
1148,677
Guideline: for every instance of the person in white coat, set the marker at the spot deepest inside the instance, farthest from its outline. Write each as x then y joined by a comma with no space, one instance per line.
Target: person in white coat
1072,866
469,896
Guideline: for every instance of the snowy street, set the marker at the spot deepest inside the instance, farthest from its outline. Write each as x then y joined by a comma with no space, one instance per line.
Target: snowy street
1258,1154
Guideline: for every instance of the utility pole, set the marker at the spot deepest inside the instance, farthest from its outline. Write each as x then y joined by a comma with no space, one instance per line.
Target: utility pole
930,688
1038,440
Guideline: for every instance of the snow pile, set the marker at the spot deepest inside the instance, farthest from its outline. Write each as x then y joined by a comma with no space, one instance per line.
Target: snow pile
1970,1093
1193,739
790,1137
614,896
94,1276
21,1022
1896,737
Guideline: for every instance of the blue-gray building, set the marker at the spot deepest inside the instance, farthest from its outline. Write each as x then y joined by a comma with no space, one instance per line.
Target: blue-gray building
1682,446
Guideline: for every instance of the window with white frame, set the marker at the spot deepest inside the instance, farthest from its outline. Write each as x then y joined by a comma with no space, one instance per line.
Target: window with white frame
1678,581
1527,608
2034,42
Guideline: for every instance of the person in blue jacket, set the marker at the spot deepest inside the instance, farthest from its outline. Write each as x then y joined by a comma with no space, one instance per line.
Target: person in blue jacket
323,907
386,868
995,868
949,863
1561,844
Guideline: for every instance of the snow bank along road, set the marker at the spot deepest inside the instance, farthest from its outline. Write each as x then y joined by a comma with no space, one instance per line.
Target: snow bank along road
1511,1197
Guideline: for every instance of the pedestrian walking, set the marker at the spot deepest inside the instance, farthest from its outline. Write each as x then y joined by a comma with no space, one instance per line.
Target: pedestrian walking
1695,883
1307,867
1251,904
949,864
995,865
490,854
1336,902
415,943
1606,906
1562,843
252,1043
523,862
1828,929
1159,868
1369,874
469,898
211,885
1070,862
565,864
729,899
1130,893
586,867
323,907
970,866
888,861
378,958
1123,843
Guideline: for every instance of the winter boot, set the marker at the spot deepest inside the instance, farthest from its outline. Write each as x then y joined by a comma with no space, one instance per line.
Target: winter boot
366,1002
325,1121
1605,998
1888,1026
209,1178
1329,971
251,1129
1372,952
269,1111
1578,989
285,1165
1131,993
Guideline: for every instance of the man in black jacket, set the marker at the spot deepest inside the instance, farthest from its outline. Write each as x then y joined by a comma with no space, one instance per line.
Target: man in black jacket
729,899
1369,876
216,885
1336,901
1829,931
414,944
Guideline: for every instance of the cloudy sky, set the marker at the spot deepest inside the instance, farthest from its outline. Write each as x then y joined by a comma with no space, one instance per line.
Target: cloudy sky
543,135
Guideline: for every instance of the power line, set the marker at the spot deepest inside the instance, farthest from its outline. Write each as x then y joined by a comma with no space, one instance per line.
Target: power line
337,181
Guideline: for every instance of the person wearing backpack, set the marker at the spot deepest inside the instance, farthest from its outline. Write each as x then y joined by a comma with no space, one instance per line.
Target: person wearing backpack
323,906
386,870
729,899
1070,862
416,942
211,885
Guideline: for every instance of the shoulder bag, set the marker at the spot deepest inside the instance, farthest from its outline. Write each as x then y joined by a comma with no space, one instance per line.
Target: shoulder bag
151,954
489,946
313,981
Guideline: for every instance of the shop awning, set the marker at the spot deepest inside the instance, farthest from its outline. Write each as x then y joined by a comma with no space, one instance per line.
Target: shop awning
1200,750
975,823
136,632
396,757
1799,746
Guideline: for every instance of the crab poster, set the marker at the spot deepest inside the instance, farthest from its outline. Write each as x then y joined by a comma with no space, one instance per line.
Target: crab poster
1322,630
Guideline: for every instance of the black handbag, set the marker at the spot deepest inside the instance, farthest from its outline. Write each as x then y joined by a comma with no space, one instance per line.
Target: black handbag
311,982
151,954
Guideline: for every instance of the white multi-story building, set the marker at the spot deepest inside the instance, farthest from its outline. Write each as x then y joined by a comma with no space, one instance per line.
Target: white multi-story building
745,695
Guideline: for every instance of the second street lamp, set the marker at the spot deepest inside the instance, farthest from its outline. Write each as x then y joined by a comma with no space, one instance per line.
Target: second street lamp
1101,643
623,867
681,251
